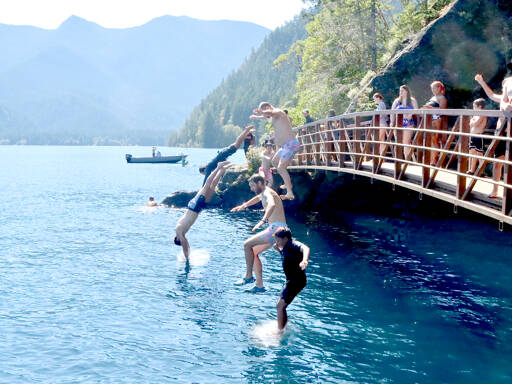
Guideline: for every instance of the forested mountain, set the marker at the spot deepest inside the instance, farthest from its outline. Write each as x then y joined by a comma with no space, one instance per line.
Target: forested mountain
85,84
216,120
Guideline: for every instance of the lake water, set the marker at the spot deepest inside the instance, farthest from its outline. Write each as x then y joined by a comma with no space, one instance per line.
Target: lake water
92,289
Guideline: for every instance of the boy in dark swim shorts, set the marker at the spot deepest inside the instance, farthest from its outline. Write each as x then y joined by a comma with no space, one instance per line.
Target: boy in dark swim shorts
295,257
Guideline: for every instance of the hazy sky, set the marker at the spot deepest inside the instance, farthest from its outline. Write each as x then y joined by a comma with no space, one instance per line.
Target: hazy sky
127,13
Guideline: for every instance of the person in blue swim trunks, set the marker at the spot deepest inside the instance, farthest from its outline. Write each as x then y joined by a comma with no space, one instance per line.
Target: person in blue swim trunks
196,205
284,138
260,242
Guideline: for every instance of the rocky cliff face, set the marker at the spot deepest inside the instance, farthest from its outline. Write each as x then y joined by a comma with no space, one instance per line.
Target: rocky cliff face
473,36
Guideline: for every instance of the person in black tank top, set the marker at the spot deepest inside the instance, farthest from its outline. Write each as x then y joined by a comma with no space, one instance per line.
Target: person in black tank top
295,256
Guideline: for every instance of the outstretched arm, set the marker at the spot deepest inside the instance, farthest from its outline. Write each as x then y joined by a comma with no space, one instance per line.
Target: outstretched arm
257,117
255,200
240,139
214,177
488,91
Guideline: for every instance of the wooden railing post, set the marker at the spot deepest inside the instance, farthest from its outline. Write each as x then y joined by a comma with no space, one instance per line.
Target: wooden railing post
506,208
427,140
376,147
462,161
357,145
399,150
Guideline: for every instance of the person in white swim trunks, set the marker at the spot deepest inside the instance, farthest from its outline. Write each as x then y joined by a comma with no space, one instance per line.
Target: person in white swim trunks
260,242
284,138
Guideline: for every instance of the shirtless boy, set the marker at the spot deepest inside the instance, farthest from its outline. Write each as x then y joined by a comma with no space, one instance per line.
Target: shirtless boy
196,205
477,125
284,138
260,242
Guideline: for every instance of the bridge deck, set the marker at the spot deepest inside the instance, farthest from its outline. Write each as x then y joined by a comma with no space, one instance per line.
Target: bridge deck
368,149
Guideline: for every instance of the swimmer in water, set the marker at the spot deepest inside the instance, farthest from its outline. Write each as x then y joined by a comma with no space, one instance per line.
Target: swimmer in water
151,202
260,242
196,205
295,257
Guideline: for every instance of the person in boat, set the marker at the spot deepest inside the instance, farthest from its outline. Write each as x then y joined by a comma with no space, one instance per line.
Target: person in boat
158,154
224,153
153,151
284,138
151,202
196,205
260,242
295,257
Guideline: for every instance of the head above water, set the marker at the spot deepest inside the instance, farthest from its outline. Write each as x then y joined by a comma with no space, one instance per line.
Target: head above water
151,198
256,183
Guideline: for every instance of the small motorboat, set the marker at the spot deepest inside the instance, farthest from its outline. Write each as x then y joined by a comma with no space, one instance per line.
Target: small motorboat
155,159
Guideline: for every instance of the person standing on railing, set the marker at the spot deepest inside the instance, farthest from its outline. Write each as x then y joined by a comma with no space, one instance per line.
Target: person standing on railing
284,138
477,126
499,151
383,120
438,101
405,101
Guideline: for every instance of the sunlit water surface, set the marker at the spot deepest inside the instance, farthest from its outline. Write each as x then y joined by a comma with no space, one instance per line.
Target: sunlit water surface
92,290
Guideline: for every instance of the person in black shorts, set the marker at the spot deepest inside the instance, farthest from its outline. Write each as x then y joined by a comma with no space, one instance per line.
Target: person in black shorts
224,153
295,257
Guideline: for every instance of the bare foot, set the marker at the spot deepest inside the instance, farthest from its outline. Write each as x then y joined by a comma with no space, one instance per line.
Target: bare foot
492,196
288,196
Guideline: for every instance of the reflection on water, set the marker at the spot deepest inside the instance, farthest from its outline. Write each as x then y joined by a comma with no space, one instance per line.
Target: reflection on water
94,290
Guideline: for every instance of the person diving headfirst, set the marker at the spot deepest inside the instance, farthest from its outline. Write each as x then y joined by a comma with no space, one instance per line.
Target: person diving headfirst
196,205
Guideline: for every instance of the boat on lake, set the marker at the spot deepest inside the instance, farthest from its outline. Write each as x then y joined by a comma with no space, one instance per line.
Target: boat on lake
155,159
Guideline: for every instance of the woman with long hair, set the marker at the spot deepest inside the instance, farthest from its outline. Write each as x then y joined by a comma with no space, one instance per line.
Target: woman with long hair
405,100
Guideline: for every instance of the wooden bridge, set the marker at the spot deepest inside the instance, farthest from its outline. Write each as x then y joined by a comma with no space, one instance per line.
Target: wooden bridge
365,144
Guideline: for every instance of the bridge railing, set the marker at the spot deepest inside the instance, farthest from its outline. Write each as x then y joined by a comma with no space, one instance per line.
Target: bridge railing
376,143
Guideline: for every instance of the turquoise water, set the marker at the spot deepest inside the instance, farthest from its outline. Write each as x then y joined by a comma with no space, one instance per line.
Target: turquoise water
92,289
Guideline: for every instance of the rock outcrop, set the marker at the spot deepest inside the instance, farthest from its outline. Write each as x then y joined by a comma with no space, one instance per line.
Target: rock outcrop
473,36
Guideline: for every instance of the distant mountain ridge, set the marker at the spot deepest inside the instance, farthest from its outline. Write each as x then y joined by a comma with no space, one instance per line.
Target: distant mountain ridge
85,84
216,120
